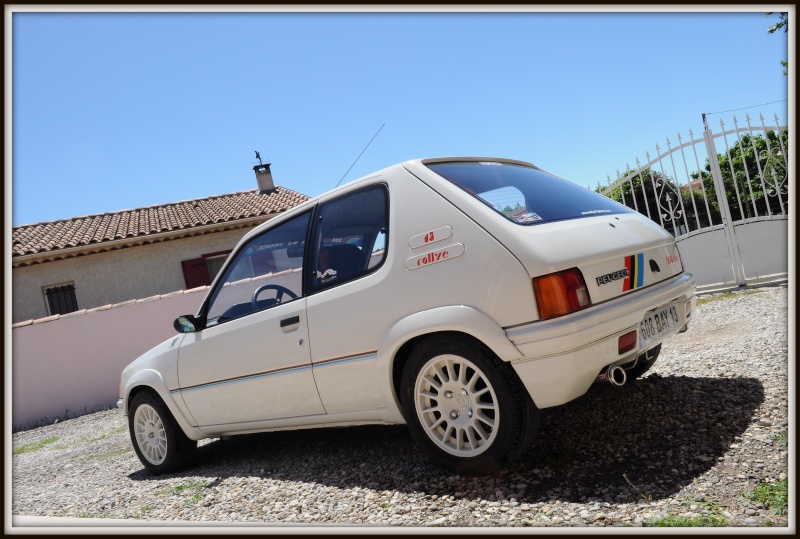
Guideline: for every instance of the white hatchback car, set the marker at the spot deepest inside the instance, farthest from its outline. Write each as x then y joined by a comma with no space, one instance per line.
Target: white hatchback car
458,296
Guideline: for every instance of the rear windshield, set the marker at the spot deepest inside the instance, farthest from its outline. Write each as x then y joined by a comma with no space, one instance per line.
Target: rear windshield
526,195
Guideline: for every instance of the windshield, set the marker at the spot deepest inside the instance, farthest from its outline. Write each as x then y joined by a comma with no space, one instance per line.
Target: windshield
526,195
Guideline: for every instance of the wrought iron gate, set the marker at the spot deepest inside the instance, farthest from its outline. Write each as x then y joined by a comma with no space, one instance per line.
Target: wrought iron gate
730,216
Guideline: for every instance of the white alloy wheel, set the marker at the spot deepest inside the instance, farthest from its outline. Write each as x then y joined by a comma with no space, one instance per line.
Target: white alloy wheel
456,405
151,436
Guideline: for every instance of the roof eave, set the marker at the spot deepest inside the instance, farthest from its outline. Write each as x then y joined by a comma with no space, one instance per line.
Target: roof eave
113,245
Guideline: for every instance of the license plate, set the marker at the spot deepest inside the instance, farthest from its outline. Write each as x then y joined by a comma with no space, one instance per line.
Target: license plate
658,324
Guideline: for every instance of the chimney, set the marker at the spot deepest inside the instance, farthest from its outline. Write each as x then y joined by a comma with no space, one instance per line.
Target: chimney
264,178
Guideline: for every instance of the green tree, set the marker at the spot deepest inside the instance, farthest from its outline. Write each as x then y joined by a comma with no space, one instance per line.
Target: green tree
755,169
655,194
783,22
753,172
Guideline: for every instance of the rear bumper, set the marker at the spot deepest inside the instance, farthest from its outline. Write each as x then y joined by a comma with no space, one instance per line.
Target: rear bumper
562,357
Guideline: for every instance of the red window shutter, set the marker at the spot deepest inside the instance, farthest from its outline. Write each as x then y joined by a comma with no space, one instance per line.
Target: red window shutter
195,273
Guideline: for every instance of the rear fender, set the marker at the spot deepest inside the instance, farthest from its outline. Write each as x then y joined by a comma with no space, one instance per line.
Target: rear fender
458,318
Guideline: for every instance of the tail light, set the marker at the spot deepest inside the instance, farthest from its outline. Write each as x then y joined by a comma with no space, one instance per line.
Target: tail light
561,293
627,342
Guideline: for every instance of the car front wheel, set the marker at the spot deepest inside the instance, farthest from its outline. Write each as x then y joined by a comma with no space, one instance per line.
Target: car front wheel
157,439
465,407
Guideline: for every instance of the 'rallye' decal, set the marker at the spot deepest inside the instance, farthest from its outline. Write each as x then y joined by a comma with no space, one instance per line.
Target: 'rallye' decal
432,257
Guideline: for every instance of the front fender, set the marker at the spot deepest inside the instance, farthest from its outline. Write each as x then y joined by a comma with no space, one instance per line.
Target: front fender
460,318
157,369
152,379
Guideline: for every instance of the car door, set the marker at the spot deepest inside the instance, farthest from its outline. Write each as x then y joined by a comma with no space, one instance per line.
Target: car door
349,241
251,361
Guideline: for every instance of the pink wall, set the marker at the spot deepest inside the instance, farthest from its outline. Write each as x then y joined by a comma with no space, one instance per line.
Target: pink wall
70,364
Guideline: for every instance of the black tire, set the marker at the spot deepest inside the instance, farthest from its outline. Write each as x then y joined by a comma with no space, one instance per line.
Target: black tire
457,423
160,445
644,364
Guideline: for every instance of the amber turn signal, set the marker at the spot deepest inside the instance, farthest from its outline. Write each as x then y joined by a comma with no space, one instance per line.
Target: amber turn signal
561,293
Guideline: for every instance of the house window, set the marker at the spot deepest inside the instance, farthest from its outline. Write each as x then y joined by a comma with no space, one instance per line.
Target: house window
60,299
214,264
201,271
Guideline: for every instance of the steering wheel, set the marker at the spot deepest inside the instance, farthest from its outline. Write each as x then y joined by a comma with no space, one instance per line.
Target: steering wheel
281,290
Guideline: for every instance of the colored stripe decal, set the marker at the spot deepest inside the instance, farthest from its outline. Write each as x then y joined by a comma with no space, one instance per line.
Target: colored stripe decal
626,284
639,270
284,370
635,266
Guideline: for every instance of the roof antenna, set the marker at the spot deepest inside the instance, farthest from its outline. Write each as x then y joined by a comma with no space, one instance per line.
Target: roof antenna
362,152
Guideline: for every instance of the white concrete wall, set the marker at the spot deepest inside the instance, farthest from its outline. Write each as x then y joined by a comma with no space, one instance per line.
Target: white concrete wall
114,276
70,365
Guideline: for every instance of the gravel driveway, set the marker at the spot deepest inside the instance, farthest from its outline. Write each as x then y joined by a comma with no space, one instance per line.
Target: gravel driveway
685,444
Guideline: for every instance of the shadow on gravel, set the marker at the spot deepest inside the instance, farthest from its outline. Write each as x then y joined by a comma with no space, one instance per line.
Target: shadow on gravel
648,438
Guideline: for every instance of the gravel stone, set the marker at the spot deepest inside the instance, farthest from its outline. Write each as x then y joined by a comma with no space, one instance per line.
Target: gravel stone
700,430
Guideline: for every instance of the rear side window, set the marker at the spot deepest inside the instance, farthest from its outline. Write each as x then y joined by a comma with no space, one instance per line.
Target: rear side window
349,237
525,195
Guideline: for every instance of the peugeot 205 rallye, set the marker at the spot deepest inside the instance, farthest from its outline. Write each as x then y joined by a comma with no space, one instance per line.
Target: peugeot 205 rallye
459,296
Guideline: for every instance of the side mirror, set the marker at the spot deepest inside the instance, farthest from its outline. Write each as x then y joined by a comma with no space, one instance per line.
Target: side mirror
185,324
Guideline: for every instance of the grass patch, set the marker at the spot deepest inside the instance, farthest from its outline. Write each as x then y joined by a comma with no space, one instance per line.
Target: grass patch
193,488
725,295
709,505
35,446
705,521
87,514
774,496
110,454
647,497
88,440
143,512
780,438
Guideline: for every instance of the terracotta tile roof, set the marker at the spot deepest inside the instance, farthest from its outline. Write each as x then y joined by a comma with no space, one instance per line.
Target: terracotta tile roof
130,224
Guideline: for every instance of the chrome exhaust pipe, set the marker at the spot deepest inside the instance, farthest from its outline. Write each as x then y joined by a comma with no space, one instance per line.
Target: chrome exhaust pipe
614,374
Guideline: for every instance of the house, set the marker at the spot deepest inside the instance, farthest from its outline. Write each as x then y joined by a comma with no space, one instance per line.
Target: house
68,265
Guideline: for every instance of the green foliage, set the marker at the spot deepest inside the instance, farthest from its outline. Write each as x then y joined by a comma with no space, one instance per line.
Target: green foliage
35,446
111,454
192,487
783,22
726,295
704,521
780,438
756,169
774,496
654,193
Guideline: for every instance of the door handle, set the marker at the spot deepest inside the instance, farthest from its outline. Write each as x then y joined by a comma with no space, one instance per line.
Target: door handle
292,320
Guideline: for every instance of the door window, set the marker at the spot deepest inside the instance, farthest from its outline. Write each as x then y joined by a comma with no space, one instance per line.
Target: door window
350,237
266,271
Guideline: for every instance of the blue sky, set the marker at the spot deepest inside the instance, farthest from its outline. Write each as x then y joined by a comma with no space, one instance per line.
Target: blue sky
116,111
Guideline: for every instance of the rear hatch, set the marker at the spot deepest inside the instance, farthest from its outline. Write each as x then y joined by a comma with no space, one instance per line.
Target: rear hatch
551,224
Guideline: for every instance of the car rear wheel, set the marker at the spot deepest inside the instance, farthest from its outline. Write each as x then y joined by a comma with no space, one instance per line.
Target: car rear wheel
157,439
465,407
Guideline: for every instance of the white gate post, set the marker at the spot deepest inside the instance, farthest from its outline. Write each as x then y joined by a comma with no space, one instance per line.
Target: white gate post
722,198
